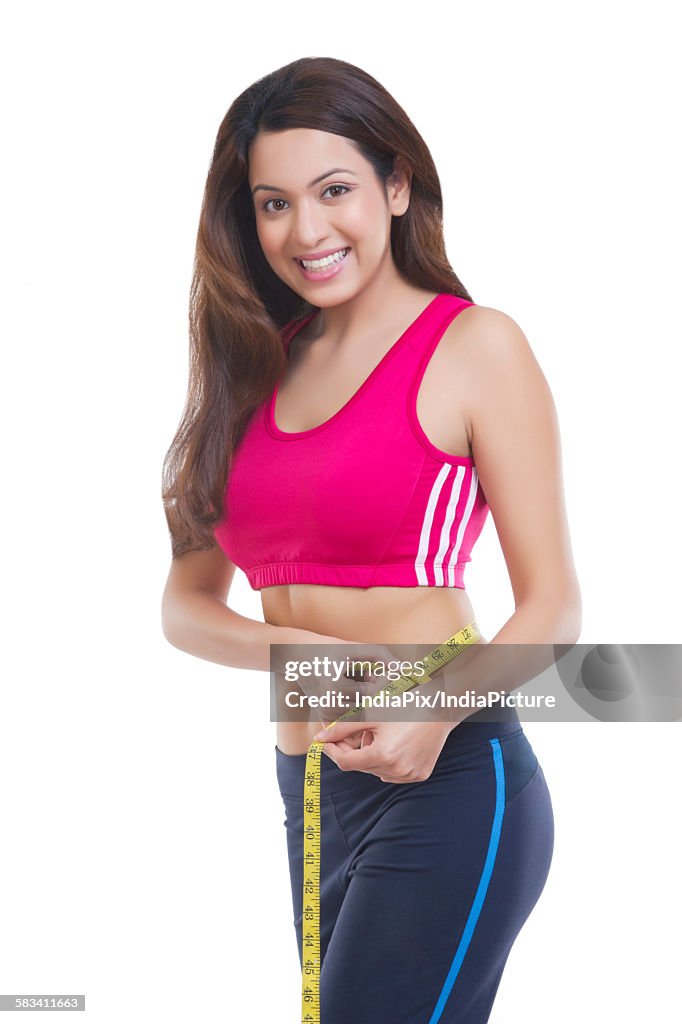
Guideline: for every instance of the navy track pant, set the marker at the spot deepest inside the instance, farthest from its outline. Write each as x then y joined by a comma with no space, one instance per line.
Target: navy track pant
424,886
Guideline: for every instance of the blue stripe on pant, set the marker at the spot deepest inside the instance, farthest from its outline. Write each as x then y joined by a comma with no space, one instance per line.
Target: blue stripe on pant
482,885
424,886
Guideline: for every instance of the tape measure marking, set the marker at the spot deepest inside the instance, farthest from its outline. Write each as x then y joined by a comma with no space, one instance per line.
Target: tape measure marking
310,971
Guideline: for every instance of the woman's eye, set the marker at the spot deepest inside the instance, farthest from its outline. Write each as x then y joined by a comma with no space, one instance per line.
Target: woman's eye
266,204
344,187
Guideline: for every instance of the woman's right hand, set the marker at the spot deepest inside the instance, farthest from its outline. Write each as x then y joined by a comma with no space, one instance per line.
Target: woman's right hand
339,677
360,680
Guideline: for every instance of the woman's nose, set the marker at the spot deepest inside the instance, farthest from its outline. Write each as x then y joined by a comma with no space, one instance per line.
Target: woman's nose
309,227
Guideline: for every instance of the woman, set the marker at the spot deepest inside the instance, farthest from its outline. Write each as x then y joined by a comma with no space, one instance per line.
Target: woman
352,417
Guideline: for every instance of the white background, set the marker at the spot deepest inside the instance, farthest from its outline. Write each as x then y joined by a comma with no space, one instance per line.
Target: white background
133,774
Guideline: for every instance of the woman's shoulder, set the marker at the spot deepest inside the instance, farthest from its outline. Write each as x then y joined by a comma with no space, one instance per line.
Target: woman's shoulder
482,354
479,335
485,321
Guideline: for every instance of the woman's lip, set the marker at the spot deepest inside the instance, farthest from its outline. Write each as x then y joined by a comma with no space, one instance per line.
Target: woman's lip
321,255
326,272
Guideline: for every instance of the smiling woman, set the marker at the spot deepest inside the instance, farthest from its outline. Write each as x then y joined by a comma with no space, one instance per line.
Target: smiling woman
348,206
352,418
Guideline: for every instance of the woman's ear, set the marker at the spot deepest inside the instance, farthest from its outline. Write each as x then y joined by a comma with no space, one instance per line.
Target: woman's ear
398,187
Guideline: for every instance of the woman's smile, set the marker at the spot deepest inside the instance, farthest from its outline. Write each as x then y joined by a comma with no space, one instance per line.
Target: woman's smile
325,267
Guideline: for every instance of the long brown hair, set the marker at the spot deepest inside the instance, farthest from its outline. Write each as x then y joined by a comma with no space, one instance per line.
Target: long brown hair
238,305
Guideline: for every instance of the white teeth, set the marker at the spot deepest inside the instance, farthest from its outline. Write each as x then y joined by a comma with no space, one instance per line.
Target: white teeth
327,261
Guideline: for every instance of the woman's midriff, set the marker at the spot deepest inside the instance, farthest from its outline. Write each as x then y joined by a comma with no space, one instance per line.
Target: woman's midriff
407,616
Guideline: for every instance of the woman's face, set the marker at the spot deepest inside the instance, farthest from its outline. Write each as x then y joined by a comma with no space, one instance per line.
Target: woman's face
314,195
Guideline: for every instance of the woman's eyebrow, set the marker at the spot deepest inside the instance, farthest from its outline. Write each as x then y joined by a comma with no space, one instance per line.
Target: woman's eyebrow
273,188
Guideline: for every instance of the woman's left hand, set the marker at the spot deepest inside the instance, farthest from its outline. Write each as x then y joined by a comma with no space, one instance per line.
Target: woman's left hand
393,751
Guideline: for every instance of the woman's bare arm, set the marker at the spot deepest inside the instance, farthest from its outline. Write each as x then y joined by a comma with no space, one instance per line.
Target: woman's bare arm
517,450
195,617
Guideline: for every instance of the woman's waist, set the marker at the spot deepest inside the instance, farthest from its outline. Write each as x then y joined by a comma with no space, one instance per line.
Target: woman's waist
410,621
424,616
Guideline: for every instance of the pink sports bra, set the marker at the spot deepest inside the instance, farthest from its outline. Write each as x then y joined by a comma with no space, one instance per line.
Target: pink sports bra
363,499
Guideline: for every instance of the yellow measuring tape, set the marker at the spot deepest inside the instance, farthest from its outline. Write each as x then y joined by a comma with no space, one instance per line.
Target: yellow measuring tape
427,667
